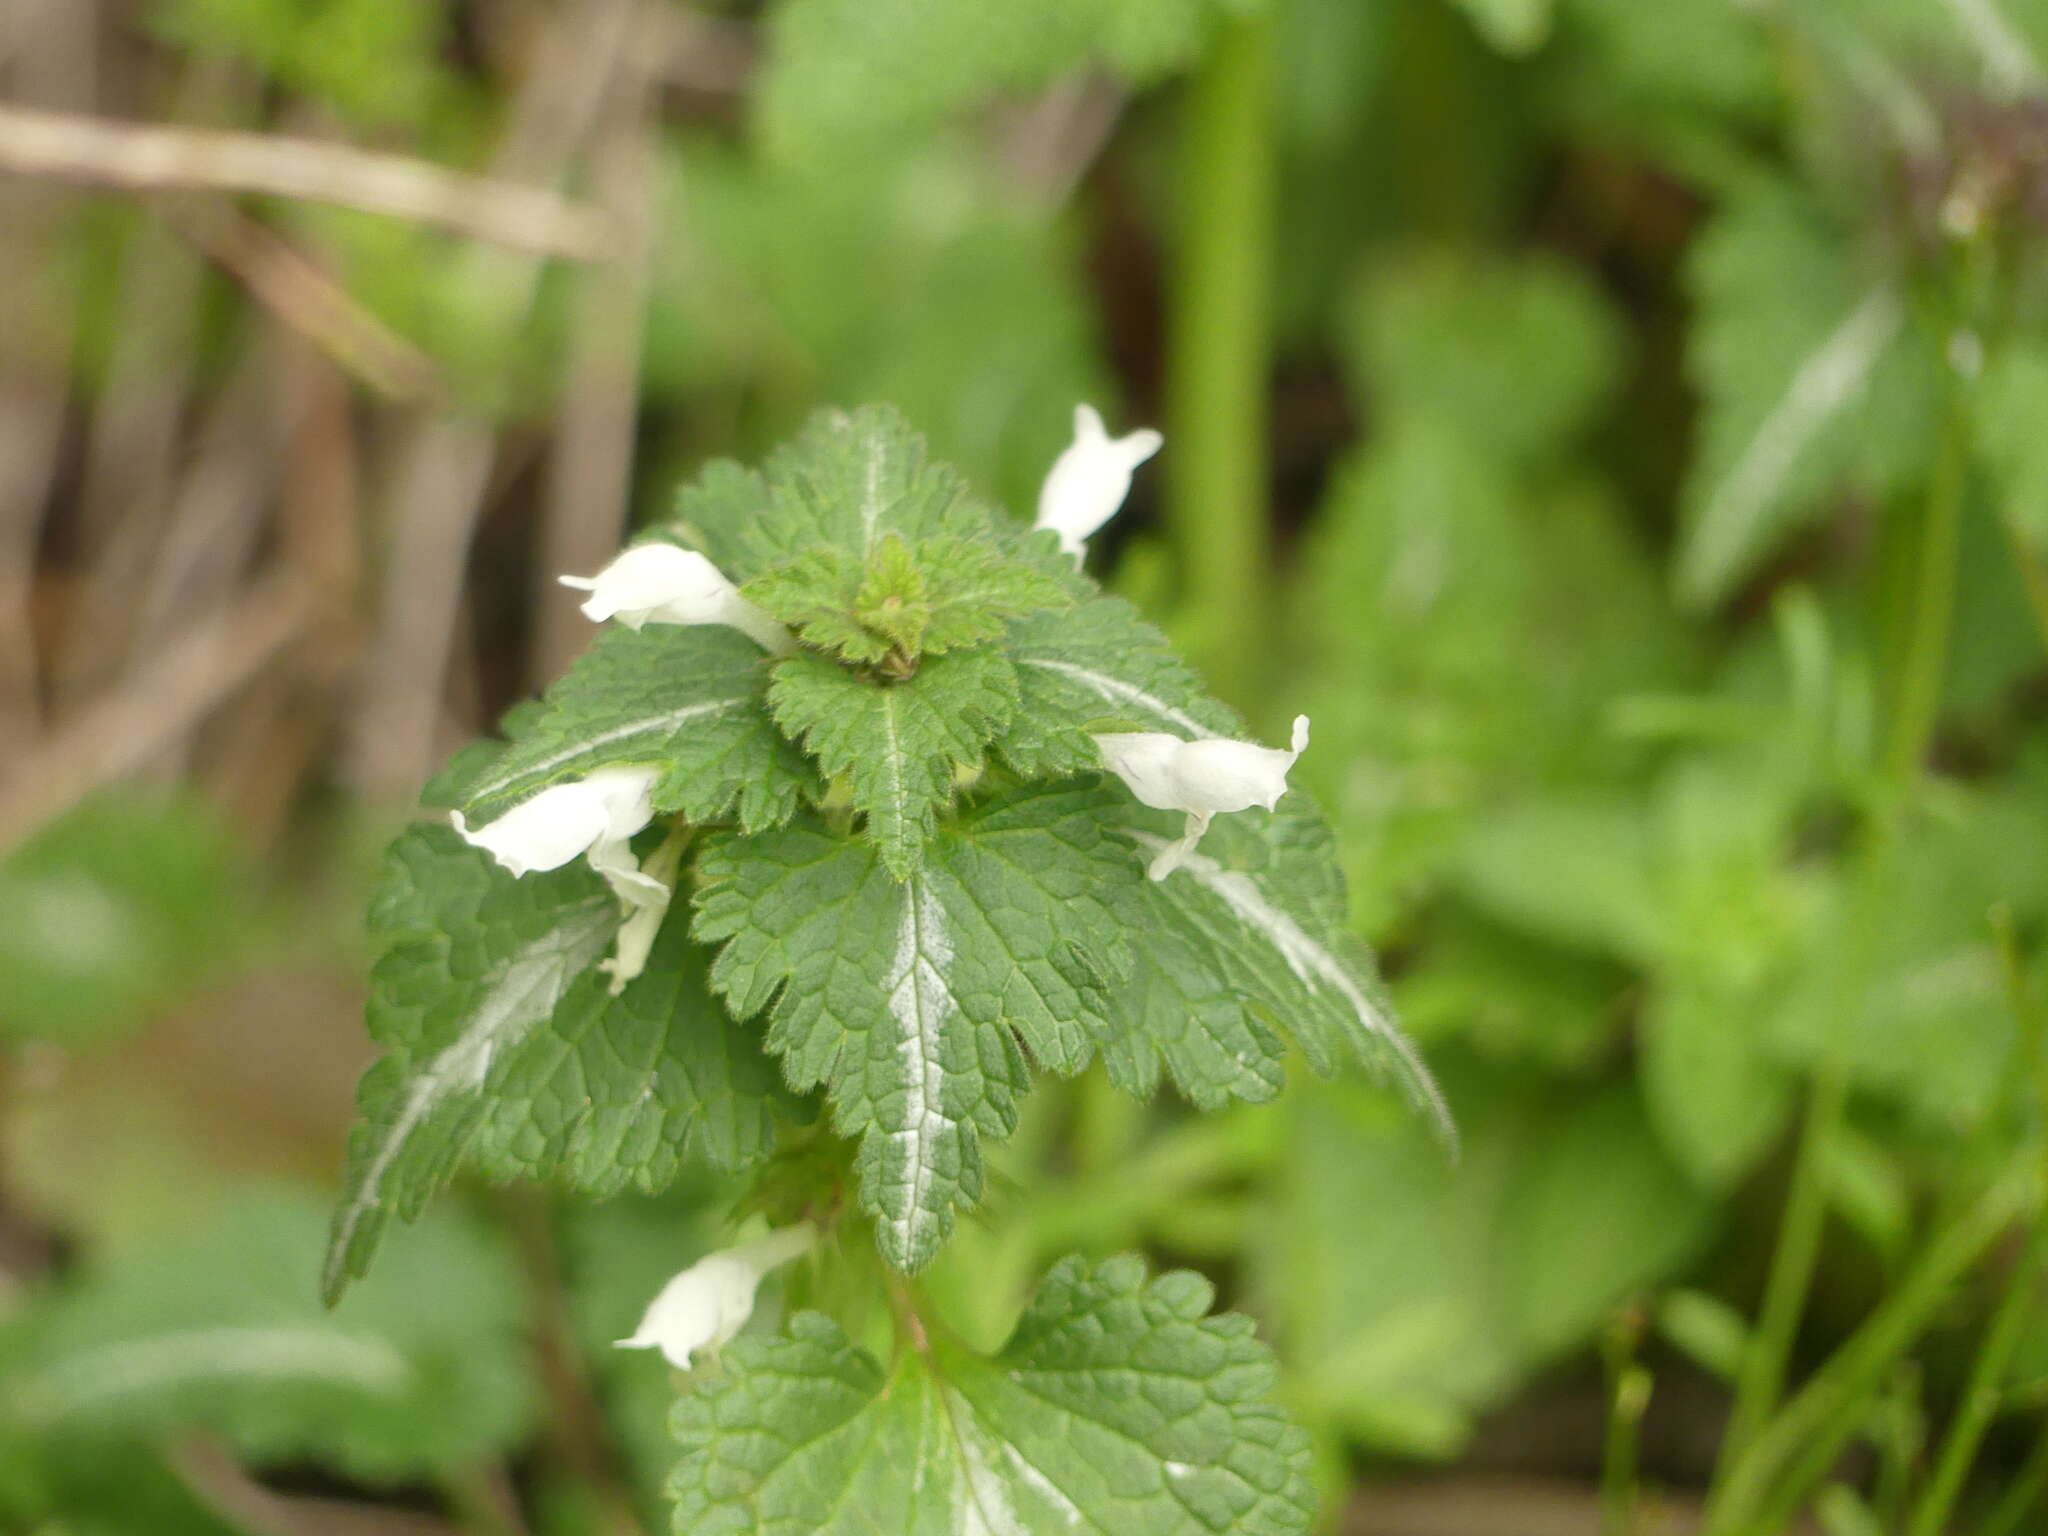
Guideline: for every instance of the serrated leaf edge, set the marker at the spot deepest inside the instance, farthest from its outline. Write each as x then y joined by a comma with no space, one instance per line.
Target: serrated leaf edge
549,962
1315,967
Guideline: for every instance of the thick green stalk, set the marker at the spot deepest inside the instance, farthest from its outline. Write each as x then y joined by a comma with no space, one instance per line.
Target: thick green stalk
1219,353
1931,605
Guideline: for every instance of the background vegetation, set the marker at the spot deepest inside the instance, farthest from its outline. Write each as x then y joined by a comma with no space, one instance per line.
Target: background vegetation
1623,427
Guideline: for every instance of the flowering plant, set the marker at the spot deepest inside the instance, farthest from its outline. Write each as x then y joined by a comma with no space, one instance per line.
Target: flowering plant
841,827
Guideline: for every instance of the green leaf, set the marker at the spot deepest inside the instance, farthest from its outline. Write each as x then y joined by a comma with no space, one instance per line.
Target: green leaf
1251,931
1098,666
692,699
1518,356
818,99
1805,384
1474,1275
849,480
505,1047
898,744
1116,1405
1717,1098
908,1000
219,1331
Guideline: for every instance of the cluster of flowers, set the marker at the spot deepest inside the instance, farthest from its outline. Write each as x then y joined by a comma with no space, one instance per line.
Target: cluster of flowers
596,816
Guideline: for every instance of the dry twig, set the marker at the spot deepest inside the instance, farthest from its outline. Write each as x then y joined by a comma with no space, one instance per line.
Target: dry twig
189,676
141,157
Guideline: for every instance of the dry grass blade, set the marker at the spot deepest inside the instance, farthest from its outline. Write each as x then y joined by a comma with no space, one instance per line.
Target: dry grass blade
197,670
140,157
294,289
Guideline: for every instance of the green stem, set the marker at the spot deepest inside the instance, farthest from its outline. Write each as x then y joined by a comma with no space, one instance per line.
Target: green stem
1795,1451
1981,1398
1931,612
1628,1396
1219,349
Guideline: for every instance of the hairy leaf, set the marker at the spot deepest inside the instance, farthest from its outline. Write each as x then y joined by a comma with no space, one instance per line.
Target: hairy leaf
691,699
1098,666
1116,1405
908,999
505,1046
898,744
1251,929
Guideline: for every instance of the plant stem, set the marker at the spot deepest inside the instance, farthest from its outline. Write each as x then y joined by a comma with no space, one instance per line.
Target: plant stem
1980,1399
1219,346
1932,604
1766,1485
1628,1396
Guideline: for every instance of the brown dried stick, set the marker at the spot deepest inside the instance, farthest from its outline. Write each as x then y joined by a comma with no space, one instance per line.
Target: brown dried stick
140,157
192,674
294,288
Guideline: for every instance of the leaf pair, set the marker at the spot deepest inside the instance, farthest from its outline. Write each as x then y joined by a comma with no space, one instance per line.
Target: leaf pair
1116,1405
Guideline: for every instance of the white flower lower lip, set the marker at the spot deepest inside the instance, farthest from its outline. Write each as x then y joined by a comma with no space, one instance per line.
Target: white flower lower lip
660,583
593,817
1203,779
705,1305
1090,479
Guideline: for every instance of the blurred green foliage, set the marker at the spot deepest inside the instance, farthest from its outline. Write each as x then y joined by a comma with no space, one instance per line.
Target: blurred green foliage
1632,329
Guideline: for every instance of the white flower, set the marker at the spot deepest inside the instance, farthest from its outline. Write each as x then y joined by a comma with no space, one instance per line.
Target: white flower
663,584
1202,778
708,1303
1090,479
595,817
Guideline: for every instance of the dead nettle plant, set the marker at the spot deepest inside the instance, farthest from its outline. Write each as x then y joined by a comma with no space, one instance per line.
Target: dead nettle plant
865,803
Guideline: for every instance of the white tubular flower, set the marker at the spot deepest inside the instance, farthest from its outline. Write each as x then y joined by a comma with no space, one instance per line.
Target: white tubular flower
663,584
1202,778
708,1303
595,817
1090,479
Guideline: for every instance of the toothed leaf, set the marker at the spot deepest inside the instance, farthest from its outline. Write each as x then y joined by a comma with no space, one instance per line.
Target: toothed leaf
897,744
505,1048
1116,1405
908,1000
690,698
